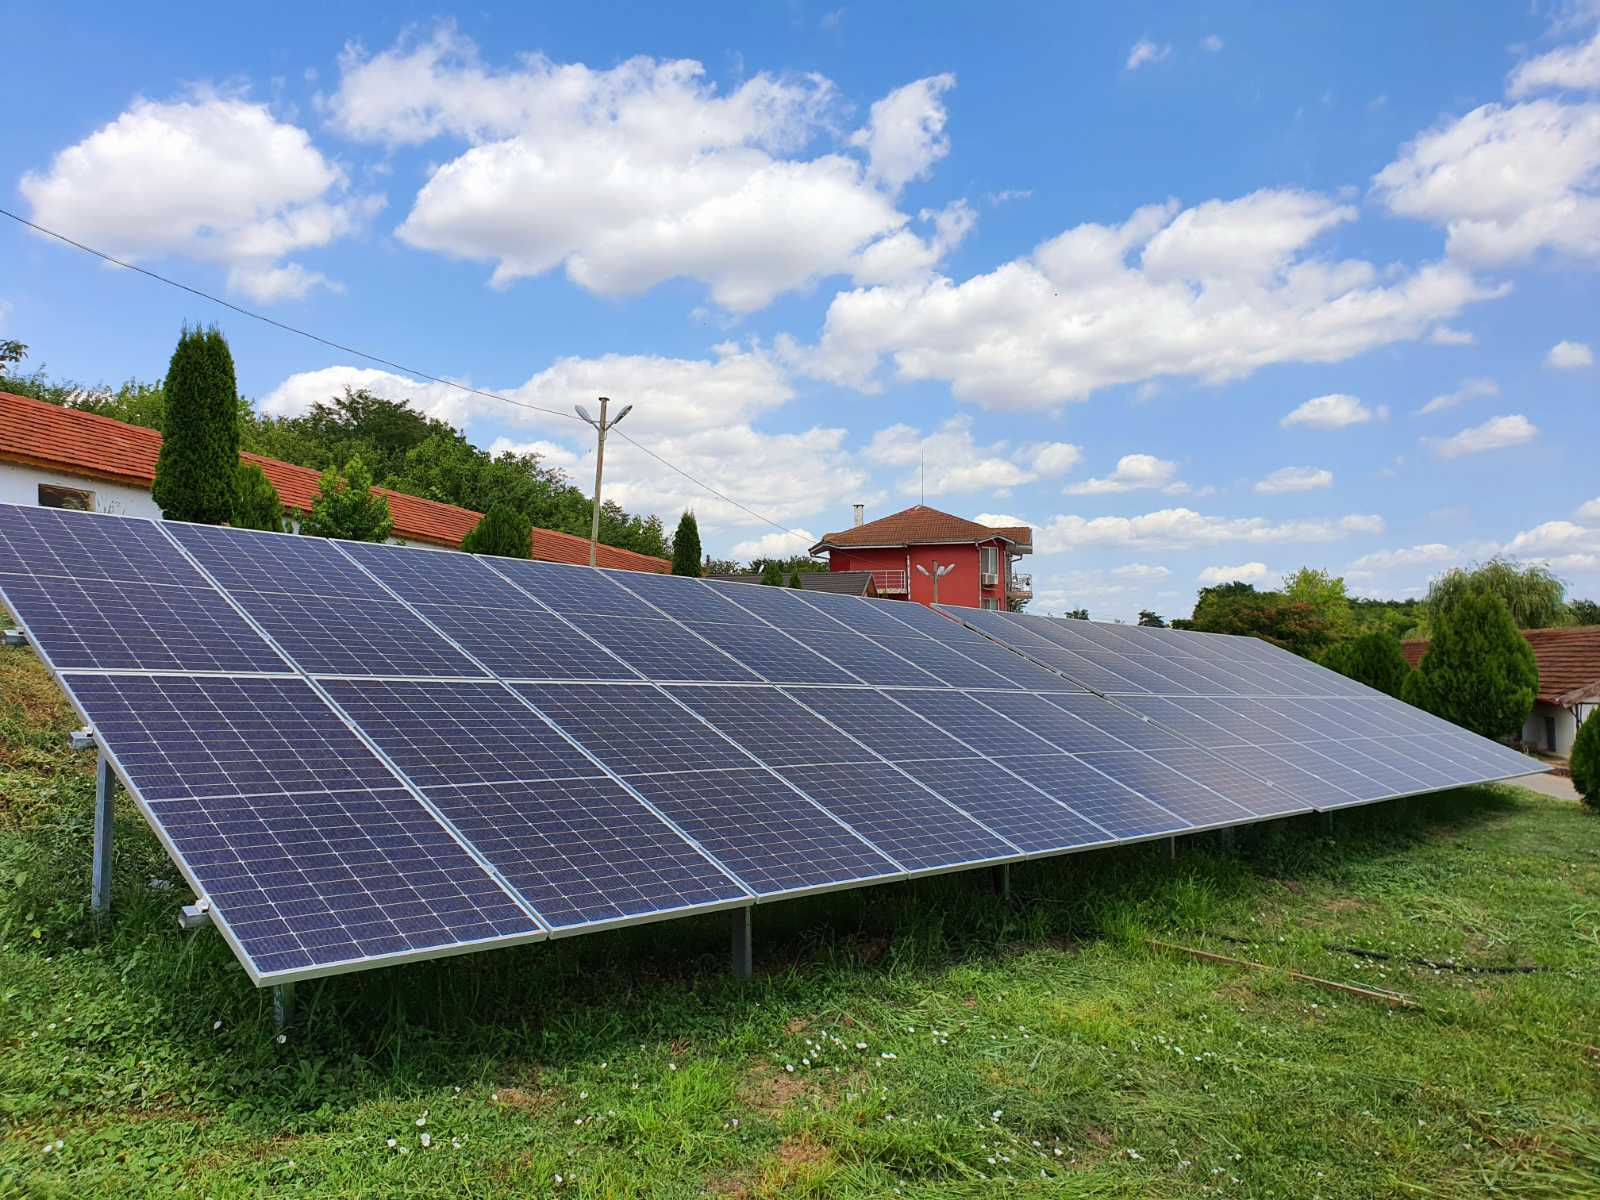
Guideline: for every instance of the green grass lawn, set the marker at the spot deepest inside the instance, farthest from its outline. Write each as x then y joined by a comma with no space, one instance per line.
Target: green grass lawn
918,1039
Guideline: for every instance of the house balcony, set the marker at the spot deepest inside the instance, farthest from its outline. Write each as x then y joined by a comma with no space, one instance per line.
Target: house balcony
1020,587
889,583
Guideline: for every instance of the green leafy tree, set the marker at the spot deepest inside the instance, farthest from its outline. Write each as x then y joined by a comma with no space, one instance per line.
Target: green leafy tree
1373,659
686,553
199,459
503,531
1479,671
1237,608
347,507
1076,614
1585,612
794,579
722,566
772,573
1585,760
256,504
1151,620
1325,596
11,353
1535,597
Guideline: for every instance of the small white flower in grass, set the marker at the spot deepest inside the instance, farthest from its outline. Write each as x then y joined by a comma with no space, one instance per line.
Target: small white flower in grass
405,1149
455,1143
559,1181
216,1025
425,1140
789,1067
995,1115
422,1120
495,1096
48,1148
1058,1151
672,1066
282,1038
861,1045
886,1054
583,1095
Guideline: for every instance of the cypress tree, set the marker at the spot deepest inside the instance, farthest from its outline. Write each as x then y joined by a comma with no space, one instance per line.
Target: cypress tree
1479,671
771,574
686,547
503,531
197,467
255,501
1585,760
1373,659
347,507
794,579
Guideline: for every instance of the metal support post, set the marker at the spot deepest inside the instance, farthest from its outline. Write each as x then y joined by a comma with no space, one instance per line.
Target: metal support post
1172,849
1225,839
1325,823
743,949
105,790
1000,877
282,1005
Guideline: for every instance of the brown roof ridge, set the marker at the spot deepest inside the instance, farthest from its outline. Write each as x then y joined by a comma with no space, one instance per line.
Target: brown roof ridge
922,524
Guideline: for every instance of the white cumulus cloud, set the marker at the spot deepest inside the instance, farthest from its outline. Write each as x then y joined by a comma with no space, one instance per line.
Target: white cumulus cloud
776,545
1444,335
1148,572
629,176
1250,572
1573,68
211,178
1211,43
1494,434
1295,479
1589,510
1384,560
1213,292
1133,472
1184,528
1334,411
1569,356
955,463
1144,51
1469,389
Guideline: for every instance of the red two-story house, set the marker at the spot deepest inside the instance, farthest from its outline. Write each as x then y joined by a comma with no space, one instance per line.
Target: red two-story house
905,549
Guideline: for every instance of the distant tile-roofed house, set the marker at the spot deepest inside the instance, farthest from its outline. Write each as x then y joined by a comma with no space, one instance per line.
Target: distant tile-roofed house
847,583
903,549
62,457
1569,682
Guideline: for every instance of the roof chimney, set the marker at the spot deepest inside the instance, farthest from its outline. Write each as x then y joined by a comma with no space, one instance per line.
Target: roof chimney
861,513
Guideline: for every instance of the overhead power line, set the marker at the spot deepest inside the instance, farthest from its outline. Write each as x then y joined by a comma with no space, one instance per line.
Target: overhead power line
390,363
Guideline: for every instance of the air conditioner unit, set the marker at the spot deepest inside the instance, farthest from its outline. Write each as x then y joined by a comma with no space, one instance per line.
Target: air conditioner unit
989,578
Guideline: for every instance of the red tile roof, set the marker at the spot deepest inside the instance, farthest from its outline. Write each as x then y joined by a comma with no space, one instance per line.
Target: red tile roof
54,438
1569,661
920,525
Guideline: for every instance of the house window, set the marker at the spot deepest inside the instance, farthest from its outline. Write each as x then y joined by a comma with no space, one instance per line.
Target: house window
989,563
51,496
988,602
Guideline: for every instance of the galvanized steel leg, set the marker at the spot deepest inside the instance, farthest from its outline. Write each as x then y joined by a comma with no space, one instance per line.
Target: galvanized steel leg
1325,821
282,1005
1172,849
1001,878
1225,837
743,950
105,790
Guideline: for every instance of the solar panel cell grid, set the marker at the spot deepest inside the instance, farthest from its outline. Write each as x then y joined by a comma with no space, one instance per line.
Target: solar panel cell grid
573,590
181,736
1127,727
1021,814
113,625
583,851
1260,797
340,636
1175,792
874,618
691,600
976,724
79,545
782,607
1060,729
914,827
459,733
872,717
525,643
306,881
662,649
943,663
771,726
1118,810
773,838
436,576
275,562
1325,765
771,654
634,729
865,659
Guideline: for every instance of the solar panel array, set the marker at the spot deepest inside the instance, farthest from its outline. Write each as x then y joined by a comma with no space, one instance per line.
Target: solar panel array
362,754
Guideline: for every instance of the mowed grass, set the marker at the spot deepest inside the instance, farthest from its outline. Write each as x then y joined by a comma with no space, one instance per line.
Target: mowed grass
925,1039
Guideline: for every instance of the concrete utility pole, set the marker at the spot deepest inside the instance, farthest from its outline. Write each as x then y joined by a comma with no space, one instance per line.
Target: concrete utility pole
601,426
938,573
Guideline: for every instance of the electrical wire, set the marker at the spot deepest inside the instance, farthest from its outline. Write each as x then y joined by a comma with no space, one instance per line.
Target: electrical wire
351,350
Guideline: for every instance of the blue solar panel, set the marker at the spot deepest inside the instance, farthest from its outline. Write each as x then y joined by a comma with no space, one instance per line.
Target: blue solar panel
662,649
772,838
1173,791
341,635
305,883
79,545
1118,810
442,577
864,658
916,828
1135,679
872,717
783,607
771,654
1017,670
1063,730
276,562
1021,814
183,736
943,663
1118,722
1442,768
1375,761
525,643
111,624
634,729
690,600
584,851
573,590
874,618
1260,797
458,733
771,726
963,716
1323,763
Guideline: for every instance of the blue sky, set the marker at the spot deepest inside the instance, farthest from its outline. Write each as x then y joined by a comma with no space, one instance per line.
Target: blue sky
1173,285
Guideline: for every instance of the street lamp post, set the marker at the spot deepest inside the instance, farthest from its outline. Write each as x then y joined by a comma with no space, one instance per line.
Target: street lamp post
938,573
601,426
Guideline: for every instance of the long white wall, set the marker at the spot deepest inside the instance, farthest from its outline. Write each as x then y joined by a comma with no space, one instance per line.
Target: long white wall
20,485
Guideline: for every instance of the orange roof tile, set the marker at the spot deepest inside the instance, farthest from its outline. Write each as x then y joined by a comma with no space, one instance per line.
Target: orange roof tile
1568,659
920,525
49,436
